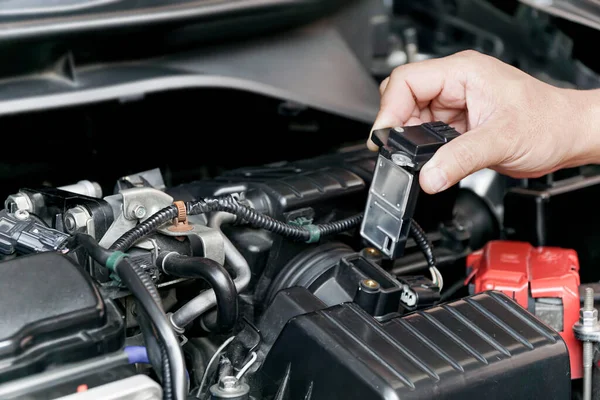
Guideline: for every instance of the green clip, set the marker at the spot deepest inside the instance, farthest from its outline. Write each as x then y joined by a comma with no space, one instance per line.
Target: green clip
315,233
301,221
114,259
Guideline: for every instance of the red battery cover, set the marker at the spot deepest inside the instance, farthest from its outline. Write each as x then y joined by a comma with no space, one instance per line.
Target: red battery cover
524,272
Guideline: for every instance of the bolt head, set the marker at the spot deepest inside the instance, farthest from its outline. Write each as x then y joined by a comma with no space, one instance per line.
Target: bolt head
139,211
369,285
228,383
70,223
399,129
76,219
402,160
18,201
372,251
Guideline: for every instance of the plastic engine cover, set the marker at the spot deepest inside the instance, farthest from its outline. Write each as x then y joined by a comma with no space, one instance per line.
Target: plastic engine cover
52,314
484,346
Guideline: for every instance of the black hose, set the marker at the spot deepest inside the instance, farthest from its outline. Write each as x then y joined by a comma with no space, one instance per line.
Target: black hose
152,344
216,276
420,238
452,290
176,371
148,299
166,373
258,220
97,252
145,228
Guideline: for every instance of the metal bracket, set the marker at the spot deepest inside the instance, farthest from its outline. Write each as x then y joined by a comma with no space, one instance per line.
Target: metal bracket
138,204
210,239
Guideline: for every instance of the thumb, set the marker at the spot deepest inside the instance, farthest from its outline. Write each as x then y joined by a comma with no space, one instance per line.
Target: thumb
468,153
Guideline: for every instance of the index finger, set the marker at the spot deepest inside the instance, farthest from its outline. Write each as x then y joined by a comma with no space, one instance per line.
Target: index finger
412,87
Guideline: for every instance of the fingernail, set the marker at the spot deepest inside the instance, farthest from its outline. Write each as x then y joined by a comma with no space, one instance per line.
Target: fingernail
434,179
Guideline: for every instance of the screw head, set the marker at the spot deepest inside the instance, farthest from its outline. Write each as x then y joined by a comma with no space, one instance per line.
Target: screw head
399,129
372,251
139,211
402,160
369,285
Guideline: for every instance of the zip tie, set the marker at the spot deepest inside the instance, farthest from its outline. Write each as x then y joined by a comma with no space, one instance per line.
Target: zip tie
314,232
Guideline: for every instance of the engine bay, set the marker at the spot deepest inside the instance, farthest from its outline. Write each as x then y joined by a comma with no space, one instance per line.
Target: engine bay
223,242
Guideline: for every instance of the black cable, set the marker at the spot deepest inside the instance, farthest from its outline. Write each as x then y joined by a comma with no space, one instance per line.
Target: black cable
127,272
230,205
258,220
213,273
452,290
144,228
421,239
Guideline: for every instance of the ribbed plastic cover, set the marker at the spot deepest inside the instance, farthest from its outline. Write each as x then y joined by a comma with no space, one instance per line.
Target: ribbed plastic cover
484,346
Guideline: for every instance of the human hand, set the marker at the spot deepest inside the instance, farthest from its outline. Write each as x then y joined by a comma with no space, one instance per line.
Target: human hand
508,120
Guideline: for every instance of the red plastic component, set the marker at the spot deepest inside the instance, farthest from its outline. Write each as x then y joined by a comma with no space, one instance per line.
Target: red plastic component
522,271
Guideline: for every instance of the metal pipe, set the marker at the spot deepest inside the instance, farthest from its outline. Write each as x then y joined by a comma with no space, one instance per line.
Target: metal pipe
588,349
207,299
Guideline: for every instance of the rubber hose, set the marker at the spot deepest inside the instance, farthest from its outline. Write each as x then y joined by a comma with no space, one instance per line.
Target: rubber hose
165,369
420,237
97,252
166,373
172,351
258,220
147,297
145,228
216,276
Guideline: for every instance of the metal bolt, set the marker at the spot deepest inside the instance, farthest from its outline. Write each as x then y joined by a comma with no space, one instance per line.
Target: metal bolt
372,251
139,211
401,160
369,285
228,383
21,215
76,219
399,129
18,201
70,223
588,300
588,317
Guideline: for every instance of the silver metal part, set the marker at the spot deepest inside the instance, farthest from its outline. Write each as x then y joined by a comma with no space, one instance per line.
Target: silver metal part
78,219
21,215
386,204
588,331
402,160
586,12
129,206
229,387
84,188
211,239
18,201
152,178
137,387
207,299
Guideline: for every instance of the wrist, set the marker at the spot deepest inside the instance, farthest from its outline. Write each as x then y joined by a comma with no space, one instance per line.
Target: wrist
585,126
